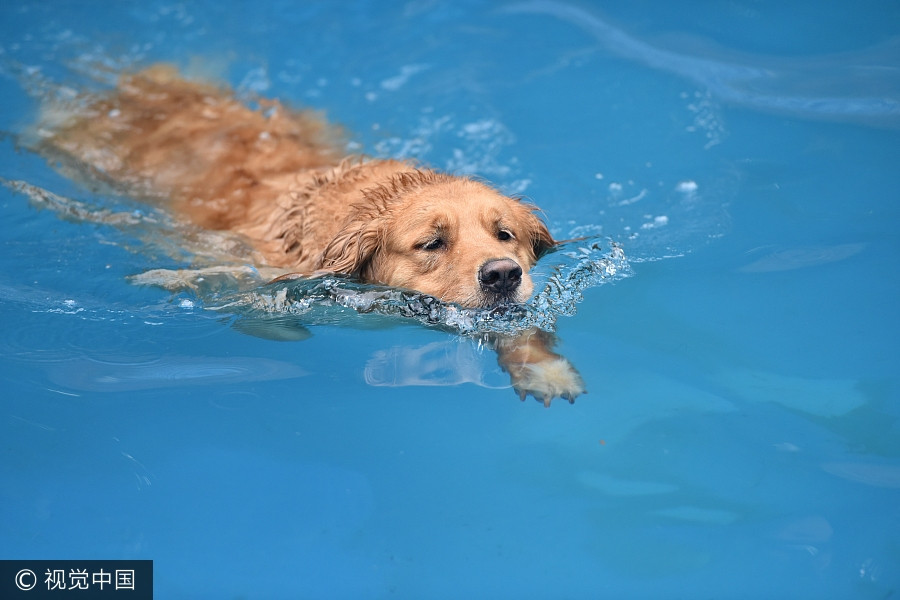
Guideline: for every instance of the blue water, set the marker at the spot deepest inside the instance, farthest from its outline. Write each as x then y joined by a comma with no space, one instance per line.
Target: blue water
741,434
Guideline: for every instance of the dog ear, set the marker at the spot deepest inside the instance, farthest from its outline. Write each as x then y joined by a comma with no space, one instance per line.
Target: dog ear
352,250
541,240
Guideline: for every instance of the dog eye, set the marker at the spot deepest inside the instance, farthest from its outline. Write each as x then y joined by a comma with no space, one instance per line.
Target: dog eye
435,244
504,235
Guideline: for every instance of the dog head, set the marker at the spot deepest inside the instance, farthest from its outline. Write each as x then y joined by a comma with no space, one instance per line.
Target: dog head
450,237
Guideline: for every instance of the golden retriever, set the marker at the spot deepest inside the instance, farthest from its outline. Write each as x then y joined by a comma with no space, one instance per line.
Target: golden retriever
277,177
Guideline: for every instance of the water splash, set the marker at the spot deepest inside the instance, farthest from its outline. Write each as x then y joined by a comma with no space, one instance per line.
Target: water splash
574,268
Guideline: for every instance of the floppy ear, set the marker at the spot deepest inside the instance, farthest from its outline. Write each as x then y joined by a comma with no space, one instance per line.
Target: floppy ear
541,240
352,250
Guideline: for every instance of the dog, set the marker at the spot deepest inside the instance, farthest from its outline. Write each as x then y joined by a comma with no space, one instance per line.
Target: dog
278,177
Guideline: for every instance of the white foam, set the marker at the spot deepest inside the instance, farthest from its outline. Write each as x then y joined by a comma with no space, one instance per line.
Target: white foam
659,221
686,187
396,82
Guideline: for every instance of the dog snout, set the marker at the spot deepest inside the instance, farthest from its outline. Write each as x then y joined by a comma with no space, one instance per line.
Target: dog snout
500,276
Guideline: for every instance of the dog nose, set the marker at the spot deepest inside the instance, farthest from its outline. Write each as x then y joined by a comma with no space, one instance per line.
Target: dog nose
500,276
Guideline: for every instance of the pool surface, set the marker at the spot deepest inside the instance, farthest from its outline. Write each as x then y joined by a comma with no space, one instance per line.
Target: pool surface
732,173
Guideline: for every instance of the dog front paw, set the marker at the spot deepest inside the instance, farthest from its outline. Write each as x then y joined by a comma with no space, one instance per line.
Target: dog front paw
547,379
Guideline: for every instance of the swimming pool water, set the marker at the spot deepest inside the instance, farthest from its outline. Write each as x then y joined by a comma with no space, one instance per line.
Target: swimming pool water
741,434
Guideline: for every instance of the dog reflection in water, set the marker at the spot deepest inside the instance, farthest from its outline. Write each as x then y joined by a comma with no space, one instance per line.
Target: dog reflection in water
277,177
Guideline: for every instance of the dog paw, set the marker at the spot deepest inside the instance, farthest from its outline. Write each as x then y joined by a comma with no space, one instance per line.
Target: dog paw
547,379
